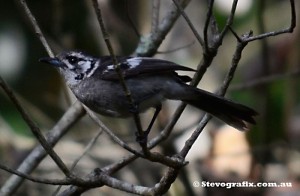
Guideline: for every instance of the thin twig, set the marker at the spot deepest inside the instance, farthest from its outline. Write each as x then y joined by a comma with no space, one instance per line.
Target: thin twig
289,29
206,26
99,178
33,179
176,49
148,45
235,60
85,151
155,157
201,69
192,139
71,116
228,22
113,136
36,27
137,33
155,15
34,129
192,27
111,169
234,63
117,68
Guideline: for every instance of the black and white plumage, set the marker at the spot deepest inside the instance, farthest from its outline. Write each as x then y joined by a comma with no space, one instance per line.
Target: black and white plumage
150,81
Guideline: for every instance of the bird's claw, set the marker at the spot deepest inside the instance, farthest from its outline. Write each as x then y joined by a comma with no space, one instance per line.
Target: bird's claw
134,108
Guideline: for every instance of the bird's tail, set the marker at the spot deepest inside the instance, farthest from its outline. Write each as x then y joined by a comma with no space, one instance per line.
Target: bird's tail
234,114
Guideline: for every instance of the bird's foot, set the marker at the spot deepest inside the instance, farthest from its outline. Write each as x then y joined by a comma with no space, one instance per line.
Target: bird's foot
134,108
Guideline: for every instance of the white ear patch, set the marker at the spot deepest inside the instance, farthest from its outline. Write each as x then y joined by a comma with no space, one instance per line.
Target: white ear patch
130,63
84,65
93,68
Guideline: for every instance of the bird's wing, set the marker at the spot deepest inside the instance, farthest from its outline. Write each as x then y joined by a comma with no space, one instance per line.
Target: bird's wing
133,66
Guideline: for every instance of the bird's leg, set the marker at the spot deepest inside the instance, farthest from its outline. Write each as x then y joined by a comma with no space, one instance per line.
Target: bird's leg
157,110
141,138
144,137
134,108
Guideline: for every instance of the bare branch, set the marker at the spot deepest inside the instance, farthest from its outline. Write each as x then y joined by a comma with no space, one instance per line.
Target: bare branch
176,49
130,19
149,44
206,26
74,113
85,151
114,137
289,29
185,16
34,129
155,157
234,63
36,27
235,60
98,178
229,21
33,179
120,74
155,15
192,139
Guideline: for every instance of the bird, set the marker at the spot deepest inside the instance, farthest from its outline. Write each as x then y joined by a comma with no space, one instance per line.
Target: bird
150,81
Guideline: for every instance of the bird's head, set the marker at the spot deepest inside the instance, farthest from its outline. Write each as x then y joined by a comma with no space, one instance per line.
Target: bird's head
74,66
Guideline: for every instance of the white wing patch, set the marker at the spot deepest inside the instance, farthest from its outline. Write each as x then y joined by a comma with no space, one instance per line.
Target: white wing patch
134,62
131,63
109,68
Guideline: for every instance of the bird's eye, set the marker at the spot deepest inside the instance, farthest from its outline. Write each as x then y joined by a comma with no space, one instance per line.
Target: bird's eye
72,59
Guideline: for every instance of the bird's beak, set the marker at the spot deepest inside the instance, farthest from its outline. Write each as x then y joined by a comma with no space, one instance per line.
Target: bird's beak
52,61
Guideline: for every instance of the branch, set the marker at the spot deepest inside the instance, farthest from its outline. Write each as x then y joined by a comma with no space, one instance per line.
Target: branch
209,15
137,33
113,136
175,161
152,156
72,115
149,44
34,129
192,27
36,27
235,60
289,29
155,15
228,22
85,151
117,68
33,179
